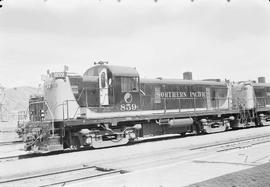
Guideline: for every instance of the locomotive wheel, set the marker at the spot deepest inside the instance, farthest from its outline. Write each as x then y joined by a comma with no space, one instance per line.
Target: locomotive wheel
76,142
183,133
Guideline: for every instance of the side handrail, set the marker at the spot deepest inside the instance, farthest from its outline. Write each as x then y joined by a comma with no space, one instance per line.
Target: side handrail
63,109
51,116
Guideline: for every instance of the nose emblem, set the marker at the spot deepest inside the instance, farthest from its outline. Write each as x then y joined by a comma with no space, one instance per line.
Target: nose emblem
128,98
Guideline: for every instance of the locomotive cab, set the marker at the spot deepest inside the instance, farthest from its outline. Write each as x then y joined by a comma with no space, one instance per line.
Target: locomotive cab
118,87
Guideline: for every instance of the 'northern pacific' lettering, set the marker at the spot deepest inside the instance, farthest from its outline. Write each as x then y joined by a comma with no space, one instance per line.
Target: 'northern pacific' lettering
181,94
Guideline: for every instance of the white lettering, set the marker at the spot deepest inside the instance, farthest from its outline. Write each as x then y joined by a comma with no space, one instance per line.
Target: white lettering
181,94
128,107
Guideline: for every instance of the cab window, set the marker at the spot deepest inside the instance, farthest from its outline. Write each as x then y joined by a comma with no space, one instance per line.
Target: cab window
103,80
129,84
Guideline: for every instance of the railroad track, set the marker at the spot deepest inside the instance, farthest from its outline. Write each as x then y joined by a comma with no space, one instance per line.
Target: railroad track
186,154
27,156
132,163
11,143
235,144
224,145
9,158
33,155
18,157
63,177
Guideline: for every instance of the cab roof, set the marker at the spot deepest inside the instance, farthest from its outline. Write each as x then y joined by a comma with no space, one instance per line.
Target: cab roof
123,71
115,70
180,81
261,84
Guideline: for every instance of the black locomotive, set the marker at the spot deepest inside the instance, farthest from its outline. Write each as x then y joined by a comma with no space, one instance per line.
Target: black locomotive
111,105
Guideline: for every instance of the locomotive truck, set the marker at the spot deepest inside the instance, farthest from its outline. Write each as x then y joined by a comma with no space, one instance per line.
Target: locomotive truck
112,105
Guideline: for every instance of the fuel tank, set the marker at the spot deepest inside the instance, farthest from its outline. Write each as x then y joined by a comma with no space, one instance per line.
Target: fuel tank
174,123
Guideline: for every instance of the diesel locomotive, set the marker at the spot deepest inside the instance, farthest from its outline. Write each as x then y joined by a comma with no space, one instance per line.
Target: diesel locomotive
112,105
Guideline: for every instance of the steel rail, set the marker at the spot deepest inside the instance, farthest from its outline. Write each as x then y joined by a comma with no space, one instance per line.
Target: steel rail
26,156
225,142
43,175
84,178
11,143
256,140
233,141
8,158
104,172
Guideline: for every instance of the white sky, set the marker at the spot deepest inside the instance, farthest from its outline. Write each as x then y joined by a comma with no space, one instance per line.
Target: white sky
211,38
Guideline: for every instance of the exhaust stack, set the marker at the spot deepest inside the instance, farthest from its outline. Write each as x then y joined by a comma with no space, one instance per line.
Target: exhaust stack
261,80
187,75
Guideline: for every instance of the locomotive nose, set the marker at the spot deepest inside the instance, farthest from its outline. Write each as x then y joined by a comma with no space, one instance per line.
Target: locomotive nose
59,97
